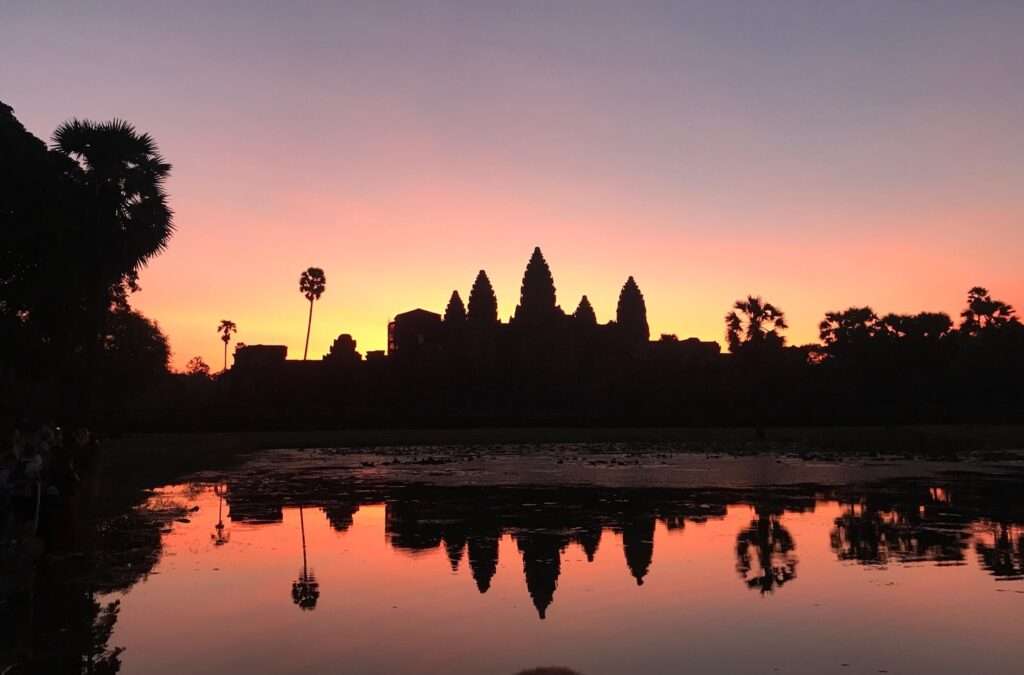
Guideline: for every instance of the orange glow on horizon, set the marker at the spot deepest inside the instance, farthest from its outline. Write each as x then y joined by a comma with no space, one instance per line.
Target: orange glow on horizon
836,156
689,275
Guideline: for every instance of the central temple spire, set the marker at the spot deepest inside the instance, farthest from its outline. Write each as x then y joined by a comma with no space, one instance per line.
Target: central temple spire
537,297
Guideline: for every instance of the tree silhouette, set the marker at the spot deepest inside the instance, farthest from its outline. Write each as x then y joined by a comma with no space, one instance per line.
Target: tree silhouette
455,312
537,295
125,172
128,219
196,367
226,329
305,589
849,330
40,209
754,322
922,327
78,220
584,313
983,312
631,313
134,355
312,283
483,305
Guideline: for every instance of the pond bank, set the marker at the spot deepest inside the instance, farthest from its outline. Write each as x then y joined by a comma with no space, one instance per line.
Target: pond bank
148,460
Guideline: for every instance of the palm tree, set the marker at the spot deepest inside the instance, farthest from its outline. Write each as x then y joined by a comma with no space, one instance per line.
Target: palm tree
226,328
311,284
752,331
124,176
305,589
760,323
126,221
984,312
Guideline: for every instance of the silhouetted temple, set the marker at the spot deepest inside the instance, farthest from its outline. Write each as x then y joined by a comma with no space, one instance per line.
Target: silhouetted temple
415,334
467,364
537,324
543,366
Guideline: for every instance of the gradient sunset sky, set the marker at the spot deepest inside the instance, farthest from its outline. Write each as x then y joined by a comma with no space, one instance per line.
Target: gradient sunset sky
821,154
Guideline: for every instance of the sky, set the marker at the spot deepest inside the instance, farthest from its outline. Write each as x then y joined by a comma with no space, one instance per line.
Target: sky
819,154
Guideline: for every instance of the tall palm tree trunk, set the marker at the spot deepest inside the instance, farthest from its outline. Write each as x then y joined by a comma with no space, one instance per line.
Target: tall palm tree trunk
309,325
225,356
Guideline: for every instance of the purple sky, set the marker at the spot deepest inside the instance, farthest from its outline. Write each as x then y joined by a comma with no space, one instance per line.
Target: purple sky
822,154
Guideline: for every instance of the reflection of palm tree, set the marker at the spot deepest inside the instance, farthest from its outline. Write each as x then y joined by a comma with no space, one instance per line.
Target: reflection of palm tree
219,536
311,284
773,545
226,328
305,589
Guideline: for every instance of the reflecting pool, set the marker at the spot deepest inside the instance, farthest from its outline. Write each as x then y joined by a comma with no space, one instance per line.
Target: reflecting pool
304,565
902,577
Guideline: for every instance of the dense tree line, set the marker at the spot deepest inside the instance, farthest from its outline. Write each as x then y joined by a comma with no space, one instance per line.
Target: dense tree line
78,221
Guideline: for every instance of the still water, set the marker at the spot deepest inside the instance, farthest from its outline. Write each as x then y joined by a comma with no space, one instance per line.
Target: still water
898,576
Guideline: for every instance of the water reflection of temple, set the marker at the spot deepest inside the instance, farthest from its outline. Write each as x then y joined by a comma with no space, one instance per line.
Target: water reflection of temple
541,526
895,522
964,519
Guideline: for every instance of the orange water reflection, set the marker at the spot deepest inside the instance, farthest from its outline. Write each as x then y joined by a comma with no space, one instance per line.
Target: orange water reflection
802,587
